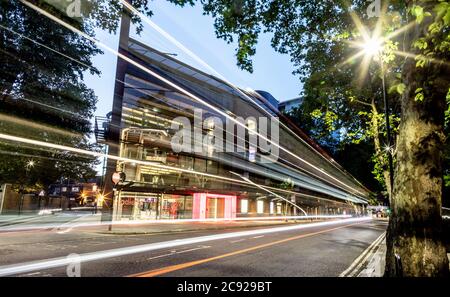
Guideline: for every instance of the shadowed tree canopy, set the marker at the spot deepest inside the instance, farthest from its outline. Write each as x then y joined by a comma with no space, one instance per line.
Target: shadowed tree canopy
42,93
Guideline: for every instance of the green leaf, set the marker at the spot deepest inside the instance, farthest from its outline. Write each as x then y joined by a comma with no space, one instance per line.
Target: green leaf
446,18
417,11
420,43
441,8
401,88
419,97
435,28
316,113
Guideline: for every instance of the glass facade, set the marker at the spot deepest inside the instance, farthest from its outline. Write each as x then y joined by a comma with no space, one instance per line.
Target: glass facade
150,110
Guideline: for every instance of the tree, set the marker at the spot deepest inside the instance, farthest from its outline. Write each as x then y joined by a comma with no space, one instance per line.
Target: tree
42,93
415,230
43,97
417,58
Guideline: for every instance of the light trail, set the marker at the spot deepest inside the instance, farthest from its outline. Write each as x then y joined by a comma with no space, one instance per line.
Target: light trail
27,123
111,253
103,155
270,192
128,160
37,126
176,267
300,178
69,226
187,93
206,65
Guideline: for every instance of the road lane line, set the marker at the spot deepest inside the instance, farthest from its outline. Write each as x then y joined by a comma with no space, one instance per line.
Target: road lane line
179,252
239,240
167,269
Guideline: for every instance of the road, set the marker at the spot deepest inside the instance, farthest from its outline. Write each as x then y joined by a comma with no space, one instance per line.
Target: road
315,250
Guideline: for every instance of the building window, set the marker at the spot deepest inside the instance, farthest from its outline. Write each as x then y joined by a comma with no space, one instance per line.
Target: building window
212,167
260,206
271,207
278,208
244,206
251,125
200,165
252,154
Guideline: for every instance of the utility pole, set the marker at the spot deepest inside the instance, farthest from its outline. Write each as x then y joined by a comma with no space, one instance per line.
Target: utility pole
114,130
388,129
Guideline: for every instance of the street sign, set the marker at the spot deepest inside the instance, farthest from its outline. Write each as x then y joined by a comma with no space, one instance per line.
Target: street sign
118,177
115,178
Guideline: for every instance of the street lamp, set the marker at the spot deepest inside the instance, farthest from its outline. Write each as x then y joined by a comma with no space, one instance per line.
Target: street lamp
30,164
374,47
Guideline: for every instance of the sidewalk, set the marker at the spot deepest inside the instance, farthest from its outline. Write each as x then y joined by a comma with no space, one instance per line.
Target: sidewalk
7,220
374,266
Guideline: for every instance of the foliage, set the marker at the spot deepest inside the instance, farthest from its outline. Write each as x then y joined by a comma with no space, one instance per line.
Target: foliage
340,94
42,93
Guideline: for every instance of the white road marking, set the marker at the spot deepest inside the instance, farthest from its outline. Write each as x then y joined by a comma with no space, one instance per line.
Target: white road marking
239,240
175,252
356,265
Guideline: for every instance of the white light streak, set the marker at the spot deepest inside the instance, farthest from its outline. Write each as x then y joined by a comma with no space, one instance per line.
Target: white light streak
121,159
70,225
175,86
100,255
276,195
206,65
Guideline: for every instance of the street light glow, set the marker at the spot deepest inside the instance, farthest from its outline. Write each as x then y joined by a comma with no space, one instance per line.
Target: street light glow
373,46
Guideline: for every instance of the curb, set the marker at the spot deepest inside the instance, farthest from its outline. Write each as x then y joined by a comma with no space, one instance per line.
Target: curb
363,260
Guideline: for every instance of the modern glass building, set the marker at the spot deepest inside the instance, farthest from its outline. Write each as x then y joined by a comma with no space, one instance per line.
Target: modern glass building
282,173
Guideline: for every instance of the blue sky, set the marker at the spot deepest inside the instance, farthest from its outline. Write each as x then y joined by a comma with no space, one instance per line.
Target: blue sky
272,71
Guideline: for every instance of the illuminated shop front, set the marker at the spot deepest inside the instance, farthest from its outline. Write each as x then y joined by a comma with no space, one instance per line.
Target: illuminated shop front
151,206
214,206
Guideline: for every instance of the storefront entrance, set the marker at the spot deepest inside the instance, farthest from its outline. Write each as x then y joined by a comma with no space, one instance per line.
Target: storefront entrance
214,206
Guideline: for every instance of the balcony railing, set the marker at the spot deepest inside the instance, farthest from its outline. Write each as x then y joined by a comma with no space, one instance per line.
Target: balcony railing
101,129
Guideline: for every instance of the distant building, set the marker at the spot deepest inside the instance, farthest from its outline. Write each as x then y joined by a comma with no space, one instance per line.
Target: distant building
76,192
270,100
288,105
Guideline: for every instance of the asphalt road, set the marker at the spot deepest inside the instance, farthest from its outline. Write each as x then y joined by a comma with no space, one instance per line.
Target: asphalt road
324,250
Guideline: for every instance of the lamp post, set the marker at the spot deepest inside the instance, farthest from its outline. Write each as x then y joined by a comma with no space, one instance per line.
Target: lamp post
388,127
374,47
28,166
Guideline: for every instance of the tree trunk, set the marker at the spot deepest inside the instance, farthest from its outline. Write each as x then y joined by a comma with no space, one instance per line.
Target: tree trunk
414,237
